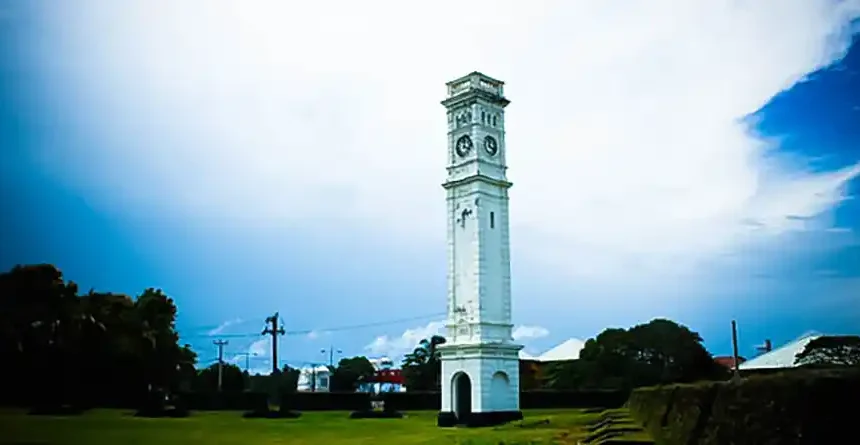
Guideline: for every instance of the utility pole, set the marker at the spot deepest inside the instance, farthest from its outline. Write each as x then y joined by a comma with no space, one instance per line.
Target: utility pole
274,331
737,374
247,359
220,344
331,352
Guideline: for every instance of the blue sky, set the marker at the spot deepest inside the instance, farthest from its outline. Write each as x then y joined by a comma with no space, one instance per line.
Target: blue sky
252,159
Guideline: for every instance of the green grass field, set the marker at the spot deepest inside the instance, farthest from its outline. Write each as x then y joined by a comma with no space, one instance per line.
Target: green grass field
116,427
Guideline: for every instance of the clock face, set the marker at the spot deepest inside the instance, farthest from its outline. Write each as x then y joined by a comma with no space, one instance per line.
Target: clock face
464,146
491,145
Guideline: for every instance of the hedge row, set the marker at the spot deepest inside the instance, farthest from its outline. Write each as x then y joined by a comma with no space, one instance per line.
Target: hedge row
540,399
810,407
412,401
547,399
321,401
394,401
232,401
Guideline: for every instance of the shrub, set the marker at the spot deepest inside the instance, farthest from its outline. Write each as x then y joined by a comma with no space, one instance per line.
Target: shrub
374,414
157,405
797,408
689,410
807,407
233,401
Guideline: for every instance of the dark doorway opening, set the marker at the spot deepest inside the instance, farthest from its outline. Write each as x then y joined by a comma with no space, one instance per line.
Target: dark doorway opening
462,386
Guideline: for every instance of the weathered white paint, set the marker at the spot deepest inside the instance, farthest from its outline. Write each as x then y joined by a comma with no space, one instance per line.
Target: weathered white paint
479,285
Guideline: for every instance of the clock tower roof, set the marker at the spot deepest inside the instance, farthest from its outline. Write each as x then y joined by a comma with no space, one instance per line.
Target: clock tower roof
477,74
473,85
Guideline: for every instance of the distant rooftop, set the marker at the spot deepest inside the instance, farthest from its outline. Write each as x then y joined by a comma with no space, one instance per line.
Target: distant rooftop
728,361
567,350
781,357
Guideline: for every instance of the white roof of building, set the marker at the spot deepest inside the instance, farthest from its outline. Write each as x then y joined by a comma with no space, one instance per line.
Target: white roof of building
321,369
381,363
569,350
781,357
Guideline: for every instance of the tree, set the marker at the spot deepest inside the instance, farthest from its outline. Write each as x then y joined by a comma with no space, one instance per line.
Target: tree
277,383
831,351
531,375
349,372
102,348
290,379
159,348
41,321
422,368
232,378
572,374
660,351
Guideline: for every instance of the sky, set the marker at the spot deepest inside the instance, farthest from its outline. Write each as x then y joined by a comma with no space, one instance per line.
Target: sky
696,160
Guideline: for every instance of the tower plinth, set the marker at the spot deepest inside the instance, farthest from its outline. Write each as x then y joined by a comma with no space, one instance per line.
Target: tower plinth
480,361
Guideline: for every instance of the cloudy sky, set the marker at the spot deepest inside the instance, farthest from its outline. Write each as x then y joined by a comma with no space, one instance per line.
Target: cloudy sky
687,159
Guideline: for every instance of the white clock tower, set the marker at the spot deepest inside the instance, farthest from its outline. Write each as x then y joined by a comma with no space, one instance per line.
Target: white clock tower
480,362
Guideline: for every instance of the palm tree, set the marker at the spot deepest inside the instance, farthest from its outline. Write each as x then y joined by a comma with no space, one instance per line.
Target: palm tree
422,366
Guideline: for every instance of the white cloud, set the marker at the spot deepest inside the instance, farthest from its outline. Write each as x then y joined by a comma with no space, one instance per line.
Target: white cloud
395,347
314,335
624,134
220,329
261,348
529,332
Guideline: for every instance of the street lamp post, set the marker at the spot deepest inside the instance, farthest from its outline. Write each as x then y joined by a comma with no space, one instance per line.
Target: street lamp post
331,351
248,359
248,365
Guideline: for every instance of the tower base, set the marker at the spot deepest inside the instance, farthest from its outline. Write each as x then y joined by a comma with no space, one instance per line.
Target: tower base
447,419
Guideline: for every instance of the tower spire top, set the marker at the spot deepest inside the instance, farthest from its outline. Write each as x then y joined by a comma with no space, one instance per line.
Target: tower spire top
476,82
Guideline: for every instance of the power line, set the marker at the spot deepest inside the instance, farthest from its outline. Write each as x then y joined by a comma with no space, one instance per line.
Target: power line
366,325
331,329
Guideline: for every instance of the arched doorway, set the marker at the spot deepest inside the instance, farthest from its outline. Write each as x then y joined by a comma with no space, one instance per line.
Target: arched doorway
499,390
461,386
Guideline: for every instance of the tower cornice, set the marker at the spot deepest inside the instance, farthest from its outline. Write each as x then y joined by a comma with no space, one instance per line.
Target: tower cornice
472,97
471,75
477,178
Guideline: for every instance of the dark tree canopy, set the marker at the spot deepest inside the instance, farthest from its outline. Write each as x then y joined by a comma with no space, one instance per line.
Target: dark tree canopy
232,379
349,372
67,346
422,368
831,351
277,383
660,351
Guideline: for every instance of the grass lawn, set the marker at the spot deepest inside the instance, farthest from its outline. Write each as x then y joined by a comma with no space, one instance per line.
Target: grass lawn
116,427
